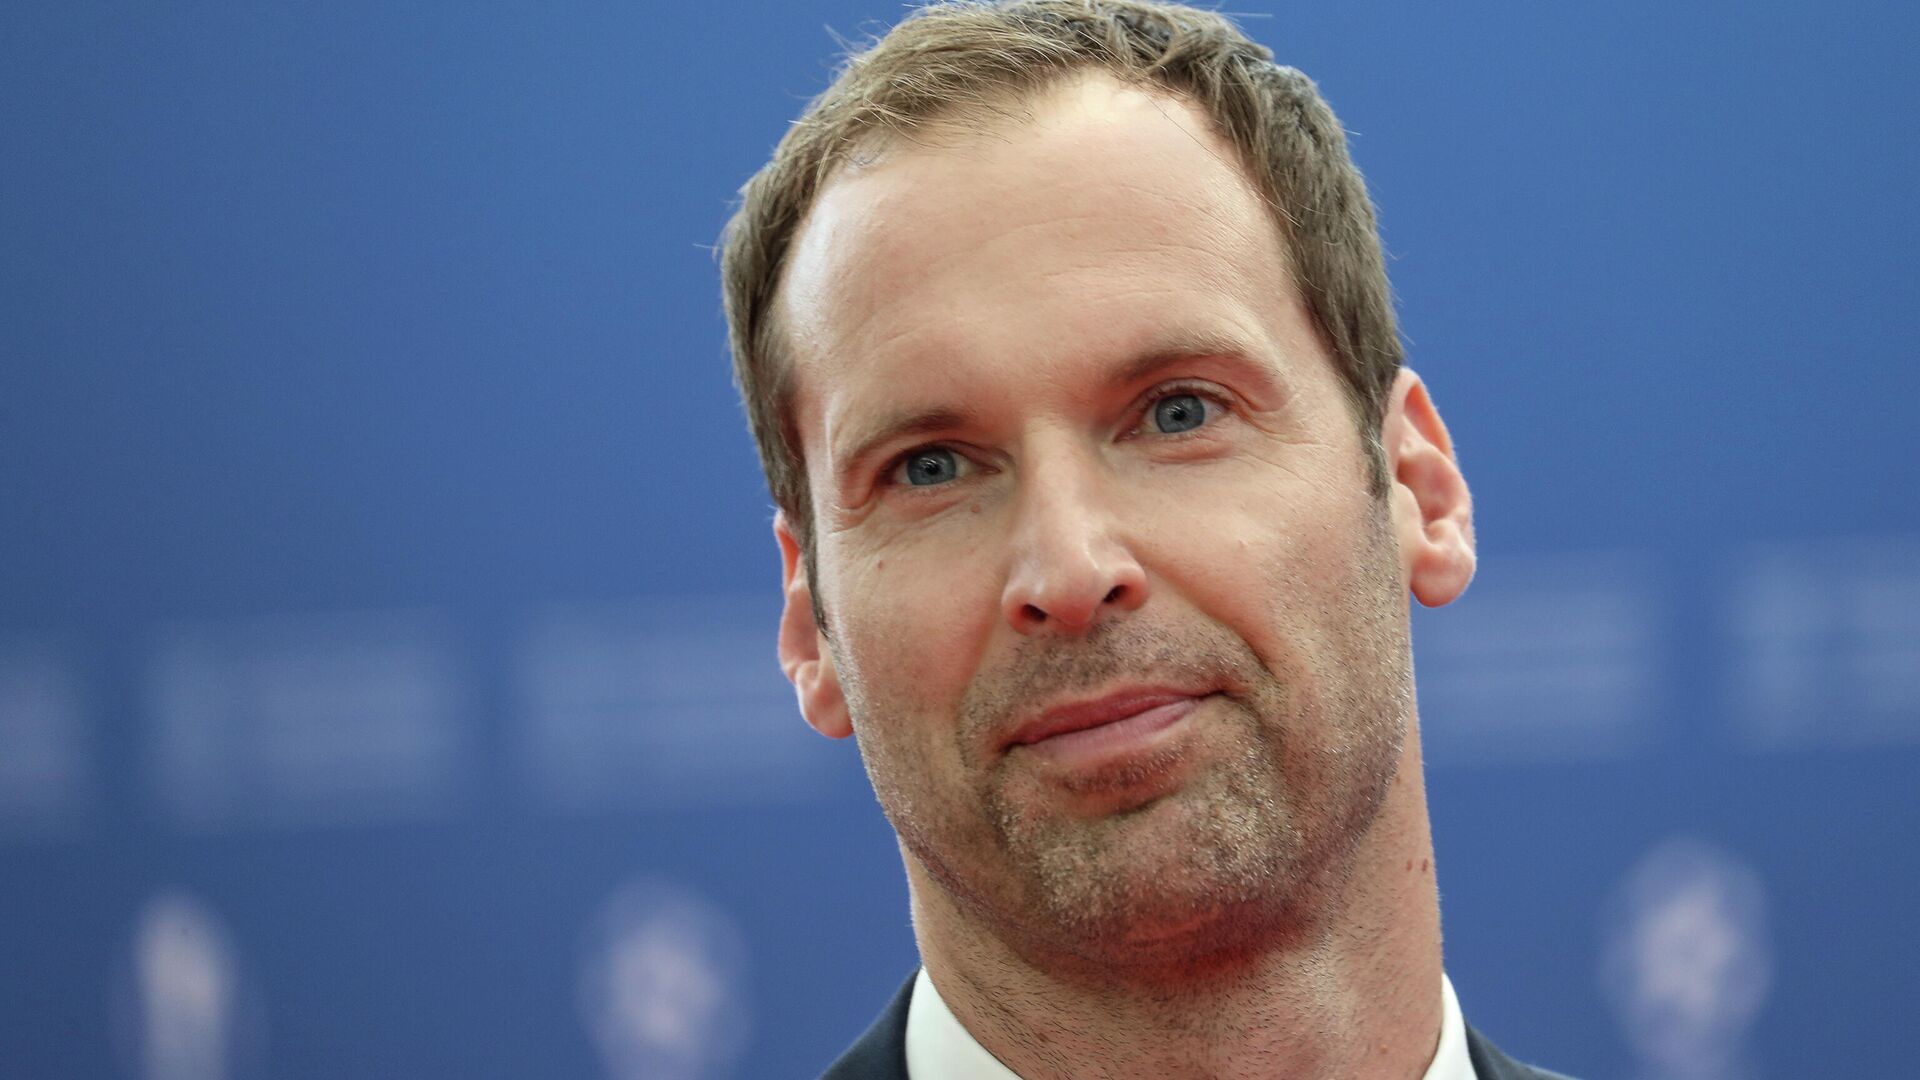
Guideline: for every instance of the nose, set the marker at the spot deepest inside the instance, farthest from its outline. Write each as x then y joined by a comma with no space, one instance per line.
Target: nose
1071,564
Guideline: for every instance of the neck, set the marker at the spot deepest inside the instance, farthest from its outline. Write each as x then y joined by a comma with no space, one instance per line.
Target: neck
1352,990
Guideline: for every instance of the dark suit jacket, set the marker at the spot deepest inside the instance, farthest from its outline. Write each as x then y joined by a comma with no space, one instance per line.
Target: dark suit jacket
881,1054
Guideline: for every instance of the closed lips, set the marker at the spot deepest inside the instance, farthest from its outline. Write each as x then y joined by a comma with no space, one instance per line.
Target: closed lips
1079,716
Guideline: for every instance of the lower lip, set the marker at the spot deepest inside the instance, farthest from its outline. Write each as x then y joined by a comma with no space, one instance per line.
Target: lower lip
1102,743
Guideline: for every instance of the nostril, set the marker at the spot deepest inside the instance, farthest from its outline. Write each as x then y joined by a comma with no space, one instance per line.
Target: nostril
1033,614
1113,594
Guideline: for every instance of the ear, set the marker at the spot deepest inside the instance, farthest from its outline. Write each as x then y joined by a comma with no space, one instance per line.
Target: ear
1432,511
804,658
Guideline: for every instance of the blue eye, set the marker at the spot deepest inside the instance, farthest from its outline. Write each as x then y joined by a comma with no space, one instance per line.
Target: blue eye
1179,412
925,468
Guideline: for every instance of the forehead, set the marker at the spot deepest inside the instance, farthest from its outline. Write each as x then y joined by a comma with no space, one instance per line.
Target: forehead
1096,215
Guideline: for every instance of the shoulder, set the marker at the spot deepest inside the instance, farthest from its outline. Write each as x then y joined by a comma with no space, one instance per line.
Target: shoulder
880,1053
1490,1064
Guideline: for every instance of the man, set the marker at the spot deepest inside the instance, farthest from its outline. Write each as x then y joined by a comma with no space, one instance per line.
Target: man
1065,338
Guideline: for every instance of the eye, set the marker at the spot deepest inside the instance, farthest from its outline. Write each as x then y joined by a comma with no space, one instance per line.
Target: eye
1179,412
928,467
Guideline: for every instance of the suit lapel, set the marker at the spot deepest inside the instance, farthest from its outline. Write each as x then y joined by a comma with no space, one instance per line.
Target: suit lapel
880,1053
1490,1064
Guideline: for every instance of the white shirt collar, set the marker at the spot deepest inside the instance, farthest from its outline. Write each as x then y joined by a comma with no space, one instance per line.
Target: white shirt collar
939,1048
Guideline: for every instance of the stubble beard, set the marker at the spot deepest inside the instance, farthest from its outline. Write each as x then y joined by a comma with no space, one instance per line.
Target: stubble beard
1257,846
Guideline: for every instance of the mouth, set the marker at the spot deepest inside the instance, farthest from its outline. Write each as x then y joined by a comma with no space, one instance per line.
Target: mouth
1088,732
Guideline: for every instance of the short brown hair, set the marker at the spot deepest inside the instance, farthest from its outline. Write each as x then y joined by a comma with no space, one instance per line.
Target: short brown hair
953,57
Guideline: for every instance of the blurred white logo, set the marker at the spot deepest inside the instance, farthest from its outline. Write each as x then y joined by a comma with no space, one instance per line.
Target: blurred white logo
1686,960
661,986
184,1013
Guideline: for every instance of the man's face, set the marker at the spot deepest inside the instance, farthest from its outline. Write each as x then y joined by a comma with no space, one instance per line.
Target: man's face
1079,458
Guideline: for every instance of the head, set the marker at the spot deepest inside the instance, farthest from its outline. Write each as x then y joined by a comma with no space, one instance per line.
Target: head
1065,338
961,64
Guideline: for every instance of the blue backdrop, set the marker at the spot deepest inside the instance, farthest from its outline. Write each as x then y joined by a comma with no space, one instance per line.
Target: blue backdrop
386,587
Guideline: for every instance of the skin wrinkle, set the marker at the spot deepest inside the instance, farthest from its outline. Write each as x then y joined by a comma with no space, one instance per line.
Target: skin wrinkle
834,467
1213,907
919,267
849,468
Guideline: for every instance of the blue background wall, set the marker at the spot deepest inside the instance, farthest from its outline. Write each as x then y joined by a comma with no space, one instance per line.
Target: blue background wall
386,589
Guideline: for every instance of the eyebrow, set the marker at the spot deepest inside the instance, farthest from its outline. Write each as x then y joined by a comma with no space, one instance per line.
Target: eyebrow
1163,353
900,425
1181,348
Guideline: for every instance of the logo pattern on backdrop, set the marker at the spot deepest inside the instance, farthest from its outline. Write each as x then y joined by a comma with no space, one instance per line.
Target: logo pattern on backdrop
663,990
185,1010
1687,960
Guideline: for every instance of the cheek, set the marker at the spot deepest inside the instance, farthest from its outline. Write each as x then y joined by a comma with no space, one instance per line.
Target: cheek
1272,563
913,621
909,628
